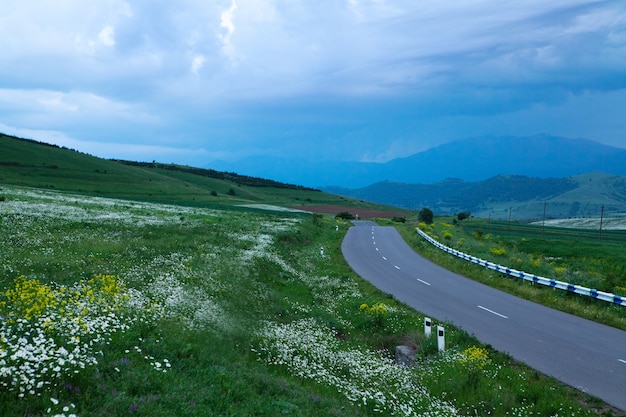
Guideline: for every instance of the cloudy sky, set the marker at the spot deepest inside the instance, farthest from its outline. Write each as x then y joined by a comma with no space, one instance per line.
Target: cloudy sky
190,81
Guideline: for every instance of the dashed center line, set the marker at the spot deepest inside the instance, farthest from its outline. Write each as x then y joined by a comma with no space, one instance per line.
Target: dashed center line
622,360
385,258
396,266
423,282
493,312
376,249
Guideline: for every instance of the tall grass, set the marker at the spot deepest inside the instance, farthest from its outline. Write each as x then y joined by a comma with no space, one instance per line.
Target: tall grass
222,313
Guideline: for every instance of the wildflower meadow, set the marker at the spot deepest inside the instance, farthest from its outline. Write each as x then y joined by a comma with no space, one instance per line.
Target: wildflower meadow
114,308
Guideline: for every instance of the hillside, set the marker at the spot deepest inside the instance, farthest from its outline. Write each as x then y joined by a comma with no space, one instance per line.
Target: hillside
522,197
28,163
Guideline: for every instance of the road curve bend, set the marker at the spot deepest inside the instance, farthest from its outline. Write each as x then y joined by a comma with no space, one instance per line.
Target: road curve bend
583,354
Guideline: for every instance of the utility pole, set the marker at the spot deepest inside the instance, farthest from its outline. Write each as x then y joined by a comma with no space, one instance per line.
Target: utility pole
510,209
543,224
601,219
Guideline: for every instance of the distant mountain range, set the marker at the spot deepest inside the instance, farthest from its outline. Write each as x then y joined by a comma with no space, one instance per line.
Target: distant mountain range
472,159
488,176
519,197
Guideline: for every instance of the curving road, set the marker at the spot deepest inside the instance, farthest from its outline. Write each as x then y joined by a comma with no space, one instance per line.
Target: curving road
578,352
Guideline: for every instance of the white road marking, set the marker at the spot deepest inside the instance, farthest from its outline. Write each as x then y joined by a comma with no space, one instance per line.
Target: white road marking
376,249
385,258
396,266
622,360
424,282
493,312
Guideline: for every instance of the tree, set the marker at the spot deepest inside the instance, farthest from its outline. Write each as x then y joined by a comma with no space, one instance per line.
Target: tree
344,215
426,215
463,215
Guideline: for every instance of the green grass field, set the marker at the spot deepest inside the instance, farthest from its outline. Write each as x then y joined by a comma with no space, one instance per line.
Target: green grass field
134,308
170,299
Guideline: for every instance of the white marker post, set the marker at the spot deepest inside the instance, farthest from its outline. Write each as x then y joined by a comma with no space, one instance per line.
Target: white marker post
427,326
441,339
322,251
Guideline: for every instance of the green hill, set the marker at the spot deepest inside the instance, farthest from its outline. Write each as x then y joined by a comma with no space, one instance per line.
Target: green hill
35,164
521,197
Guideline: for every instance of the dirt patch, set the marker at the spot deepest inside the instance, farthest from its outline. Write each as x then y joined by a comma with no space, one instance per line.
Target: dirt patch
362,213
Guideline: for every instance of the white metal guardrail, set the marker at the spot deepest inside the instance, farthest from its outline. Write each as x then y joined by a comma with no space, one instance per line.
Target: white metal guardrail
600,295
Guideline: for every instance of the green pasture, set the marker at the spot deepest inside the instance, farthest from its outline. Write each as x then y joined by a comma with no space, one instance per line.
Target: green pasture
149,290
225,313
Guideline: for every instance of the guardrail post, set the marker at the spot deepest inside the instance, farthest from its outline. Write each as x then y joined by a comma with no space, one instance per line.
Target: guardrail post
441,340
427,326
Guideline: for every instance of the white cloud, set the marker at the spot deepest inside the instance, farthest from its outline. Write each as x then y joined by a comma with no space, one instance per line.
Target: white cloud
227,22
107,36
396,149
105,65
50,110
197,62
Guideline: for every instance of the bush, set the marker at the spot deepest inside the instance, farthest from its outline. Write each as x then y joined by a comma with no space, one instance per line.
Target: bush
426,215
344,215
399,219
498,251
463,215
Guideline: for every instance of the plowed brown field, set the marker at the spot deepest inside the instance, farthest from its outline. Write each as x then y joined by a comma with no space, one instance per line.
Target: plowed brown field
360,212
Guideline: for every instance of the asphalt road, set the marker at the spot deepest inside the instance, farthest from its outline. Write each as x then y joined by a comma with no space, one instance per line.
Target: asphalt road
583,354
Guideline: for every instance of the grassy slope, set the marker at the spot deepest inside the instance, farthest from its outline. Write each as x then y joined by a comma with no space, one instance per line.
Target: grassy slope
226,378
33,164
198,263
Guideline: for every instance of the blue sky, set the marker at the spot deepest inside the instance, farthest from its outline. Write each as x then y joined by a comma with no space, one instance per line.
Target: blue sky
192,81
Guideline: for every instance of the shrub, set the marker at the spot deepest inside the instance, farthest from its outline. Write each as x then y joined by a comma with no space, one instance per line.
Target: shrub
344,215
426,215
317,219
399,219
497,251
463,215
475,358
